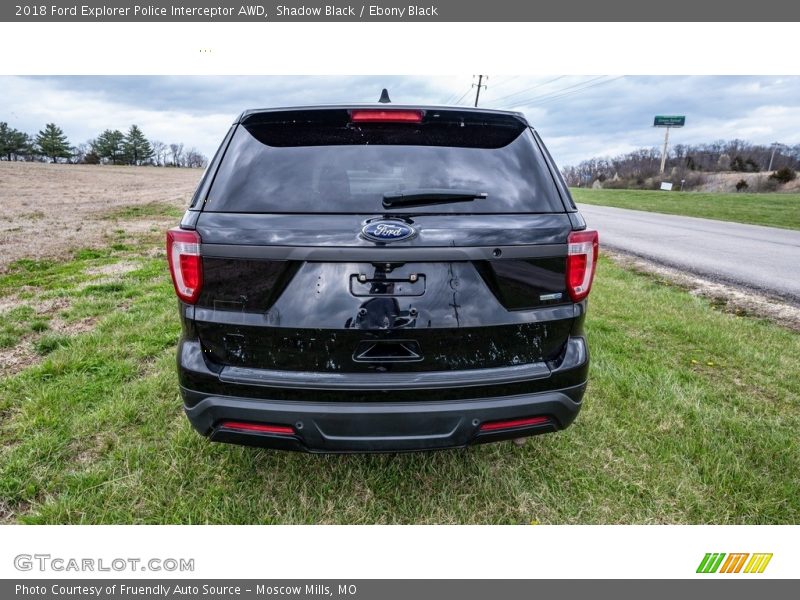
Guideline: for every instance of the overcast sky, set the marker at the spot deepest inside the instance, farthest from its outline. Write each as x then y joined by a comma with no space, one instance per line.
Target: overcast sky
578,116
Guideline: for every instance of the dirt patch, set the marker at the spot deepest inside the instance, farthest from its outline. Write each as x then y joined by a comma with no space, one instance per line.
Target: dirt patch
50,305
113,270
41,307
9,513
9,303
73,327
18,357
71,203
57,325
726,297
23,354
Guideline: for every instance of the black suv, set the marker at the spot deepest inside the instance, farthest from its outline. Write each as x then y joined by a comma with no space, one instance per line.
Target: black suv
381,278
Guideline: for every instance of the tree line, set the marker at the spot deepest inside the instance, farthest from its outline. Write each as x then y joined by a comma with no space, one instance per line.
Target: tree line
682,159
112,147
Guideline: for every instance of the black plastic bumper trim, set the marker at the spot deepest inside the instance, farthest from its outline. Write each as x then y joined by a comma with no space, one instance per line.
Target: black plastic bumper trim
381,427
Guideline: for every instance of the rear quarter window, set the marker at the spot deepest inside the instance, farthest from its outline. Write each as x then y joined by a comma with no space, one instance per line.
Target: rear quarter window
319,162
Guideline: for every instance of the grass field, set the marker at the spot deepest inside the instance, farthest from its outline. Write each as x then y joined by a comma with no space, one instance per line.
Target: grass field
48,209
691,417
775,210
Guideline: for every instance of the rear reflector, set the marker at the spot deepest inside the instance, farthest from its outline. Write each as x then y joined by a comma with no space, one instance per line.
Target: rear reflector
185,266
257,427
385,116
582,249
514,423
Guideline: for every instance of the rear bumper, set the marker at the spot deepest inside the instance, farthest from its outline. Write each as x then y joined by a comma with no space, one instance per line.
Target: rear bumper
359,412
380,426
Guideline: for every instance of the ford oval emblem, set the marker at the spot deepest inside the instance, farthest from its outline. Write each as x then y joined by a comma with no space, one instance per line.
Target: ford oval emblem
387,231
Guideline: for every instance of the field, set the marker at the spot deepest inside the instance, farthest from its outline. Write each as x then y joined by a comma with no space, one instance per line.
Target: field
690,417
775,210
46,210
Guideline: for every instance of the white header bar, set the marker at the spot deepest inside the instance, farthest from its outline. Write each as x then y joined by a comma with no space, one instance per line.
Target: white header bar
398,48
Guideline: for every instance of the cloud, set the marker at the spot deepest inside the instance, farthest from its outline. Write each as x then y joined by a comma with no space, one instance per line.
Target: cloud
616,116
578,116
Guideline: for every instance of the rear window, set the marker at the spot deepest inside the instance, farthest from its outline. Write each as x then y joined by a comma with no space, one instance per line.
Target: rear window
320,162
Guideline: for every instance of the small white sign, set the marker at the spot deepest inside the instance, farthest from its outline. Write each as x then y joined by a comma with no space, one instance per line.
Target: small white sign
666,186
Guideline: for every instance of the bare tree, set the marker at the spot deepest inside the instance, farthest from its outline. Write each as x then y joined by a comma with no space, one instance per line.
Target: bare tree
160,152
80,151
177,154
720,155
194,159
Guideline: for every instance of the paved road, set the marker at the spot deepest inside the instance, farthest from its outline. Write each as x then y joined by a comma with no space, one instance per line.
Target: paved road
762,258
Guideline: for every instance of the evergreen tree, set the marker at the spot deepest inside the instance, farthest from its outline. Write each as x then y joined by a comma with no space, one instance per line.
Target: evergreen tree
23,145
110,145
52,143
137,148
5,140
13,143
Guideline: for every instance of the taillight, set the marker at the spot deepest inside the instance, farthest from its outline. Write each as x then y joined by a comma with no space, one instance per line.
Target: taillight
185,266
582,250
372,115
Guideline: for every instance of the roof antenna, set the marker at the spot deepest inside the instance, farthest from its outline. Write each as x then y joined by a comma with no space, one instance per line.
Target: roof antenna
384,99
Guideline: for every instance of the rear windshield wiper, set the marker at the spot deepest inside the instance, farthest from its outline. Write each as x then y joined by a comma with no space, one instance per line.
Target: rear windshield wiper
421,197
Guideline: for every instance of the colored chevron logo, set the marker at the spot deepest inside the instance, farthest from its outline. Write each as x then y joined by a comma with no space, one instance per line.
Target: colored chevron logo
719,562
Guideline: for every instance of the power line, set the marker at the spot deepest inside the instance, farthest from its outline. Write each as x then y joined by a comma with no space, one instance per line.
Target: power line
454,95
463,96
545,100
505,81
450,98
558,91
528,89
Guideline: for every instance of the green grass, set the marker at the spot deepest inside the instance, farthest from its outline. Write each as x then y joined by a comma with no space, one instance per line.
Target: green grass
152,209
19,322
691,417
775,210
47,343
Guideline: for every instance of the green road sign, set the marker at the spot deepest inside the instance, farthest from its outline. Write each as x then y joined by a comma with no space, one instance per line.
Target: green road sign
669,121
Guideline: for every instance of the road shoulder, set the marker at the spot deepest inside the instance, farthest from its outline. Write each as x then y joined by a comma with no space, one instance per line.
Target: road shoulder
733,299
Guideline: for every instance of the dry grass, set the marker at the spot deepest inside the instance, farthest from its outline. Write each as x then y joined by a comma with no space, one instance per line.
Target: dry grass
46,210
733,299
52,214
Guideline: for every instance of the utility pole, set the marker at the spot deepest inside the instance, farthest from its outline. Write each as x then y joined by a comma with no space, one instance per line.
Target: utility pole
667,121
479,86
775,146
664,151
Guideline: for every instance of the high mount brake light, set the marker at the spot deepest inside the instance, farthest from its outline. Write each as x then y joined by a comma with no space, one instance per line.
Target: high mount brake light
185,263
582,250
371,115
